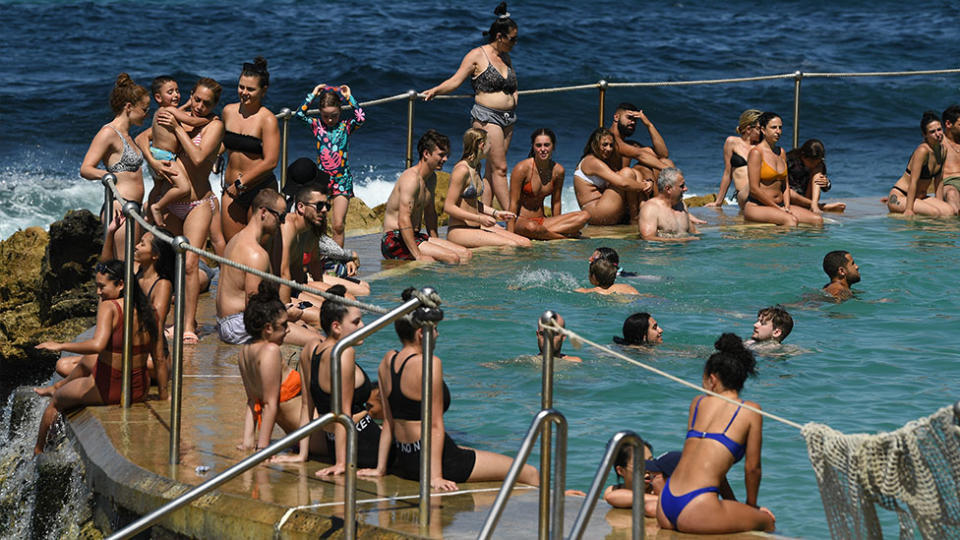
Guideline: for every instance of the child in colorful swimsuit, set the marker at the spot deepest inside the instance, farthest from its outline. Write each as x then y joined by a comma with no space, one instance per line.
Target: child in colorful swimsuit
163,145
333,142
690,500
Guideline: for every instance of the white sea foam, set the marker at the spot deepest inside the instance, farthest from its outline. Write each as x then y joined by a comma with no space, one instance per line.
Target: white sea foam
542,278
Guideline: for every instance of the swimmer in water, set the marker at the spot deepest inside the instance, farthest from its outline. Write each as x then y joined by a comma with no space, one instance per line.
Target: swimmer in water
603,273
843,273
773,326
611,255
640,329
665,218
557,342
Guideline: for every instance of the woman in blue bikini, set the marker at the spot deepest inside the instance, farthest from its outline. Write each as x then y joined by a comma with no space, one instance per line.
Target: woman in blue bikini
720,434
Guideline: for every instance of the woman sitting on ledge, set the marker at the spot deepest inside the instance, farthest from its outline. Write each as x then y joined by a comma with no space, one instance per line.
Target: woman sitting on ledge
97,380
609,193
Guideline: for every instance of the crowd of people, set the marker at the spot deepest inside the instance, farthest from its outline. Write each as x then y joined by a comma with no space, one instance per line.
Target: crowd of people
286,232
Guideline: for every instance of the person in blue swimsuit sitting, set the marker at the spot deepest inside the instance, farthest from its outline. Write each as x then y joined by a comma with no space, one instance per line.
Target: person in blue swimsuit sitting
720,434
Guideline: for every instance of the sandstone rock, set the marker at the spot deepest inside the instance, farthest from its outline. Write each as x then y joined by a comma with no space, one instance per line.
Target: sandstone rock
361,219
701,200
20,261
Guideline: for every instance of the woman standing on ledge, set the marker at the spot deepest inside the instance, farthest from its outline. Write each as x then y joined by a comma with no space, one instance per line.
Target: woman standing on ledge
533,179
909,195
97,380
253,140
114,147
495,85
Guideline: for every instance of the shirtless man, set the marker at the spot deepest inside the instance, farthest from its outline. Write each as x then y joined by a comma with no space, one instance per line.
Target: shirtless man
650,160
951,165
248,247
664,218
603,274
557,341
843,273
411,205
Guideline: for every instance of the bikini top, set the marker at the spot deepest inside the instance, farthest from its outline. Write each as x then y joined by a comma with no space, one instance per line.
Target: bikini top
471,191
321,399
115,344
769,174
402,407
490,80
737,161
595,180
237,142
925,173
738,450
130,158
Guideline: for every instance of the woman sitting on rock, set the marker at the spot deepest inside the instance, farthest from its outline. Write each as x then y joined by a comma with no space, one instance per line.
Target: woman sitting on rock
97,380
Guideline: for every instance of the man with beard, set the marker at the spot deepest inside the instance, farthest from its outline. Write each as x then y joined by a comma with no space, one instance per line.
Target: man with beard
305,244
843,273
650,160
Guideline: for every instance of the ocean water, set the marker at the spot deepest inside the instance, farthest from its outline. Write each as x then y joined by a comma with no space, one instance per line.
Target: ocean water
870,364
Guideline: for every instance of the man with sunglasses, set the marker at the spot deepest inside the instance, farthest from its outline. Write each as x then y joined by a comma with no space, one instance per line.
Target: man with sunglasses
249,247
305,246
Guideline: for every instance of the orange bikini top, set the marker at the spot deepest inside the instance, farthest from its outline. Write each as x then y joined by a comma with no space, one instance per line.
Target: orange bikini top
769,174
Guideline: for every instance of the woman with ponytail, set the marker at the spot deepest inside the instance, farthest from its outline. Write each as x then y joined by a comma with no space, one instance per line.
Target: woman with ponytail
495,110
116,150
719,434
96,380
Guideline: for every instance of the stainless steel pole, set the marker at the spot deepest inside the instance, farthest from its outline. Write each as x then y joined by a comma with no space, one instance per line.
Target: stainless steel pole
797,77
285,114
176,386
106,180
126,393
602,85
411,99
546,402
426,424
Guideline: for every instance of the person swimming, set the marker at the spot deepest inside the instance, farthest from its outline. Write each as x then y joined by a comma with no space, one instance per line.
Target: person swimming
603,275
640,329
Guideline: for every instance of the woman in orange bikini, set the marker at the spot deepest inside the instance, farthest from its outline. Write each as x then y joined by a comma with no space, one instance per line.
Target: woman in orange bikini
769,198
272,387
531,181
909,195
96,380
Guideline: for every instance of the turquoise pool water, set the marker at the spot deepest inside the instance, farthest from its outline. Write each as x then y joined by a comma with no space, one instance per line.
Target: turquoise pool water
871,364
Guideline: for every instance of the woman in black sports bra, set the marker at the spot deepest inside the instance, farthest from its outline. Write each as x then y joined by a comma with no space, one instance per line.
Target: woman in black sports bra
400,376
252,139
338,320
735,151
495,87
909,195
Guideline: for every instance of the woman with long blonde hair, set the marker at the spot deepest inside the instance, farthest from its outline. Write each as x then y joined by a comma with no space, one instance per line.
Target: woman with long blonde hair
472,223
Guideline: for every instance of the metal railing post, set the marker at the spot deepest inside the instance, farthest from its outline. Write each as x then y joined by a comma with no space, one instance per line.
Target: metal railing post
285,114
107,201
546,402
602,86
797,77
427,319
619,439
411,99
542,417
176,386
126,393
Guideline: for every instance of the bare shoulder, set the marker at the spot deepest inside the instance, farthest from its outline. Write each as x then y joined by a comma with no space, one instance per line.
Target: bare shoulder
558,170
230,110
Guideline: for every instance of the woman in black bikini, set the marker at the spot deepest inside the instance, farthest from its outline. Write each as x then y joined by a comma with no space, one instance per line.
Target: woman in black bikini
909,195
735,150
253,140
532,180
400,377
495,85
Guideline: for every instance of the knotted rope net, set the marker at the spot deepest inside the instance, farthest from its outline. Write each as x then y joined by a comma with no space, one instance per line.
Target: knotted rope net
914,471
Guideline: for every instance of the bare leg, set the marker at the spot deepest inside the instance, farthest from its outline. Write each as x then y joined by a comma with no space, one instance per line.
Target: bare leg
491,467
766,214
80,391
461,252
707,514
216,230
340,205
952,196
439,252
496,169
233,217
806,216
487,236
195,228
518,240
608,209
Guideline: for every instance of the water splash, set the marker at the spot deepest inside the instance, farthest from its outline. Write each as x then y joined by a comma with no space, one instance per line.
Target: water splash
543,279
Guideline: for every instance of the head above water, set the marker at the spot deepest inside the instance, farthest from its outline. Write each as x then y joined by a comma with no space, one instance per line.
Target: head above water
257,69
669,177
839,265
780,319
606,253
502,26
603,273
731,364
124,92
640,329
263,308
557,338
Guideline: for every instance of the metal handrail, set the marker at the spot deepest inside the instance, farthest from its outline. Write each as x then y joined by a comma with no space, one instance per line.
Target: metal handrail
336,414
539,421
546,402
619,439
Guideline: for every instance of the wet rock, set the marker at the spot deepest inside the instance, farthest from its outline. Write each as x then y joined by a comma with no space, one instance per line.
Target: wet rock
361,219
700,200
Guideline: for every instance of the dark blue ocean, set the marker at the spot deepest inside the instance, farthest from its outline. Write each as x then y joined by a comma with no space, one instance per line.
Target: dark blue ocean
59,61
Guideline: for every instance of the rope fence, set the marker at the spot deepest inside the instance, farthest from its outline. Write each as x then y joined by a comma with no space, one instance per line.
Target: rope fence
575,338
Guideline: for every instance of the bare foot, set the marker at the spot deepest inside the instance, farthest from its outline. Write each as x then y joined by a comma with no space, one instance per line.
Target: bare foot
835,207
45,391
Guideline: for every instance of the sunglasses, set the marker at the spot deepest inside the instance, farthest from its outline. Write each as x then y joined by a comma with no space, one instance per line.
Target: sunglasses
281,217
513,39
321,206
102,268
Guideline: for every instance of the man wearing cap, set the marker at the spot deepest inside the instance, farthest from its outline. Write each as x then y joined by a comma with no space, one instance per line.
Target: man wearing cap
411,206
304,242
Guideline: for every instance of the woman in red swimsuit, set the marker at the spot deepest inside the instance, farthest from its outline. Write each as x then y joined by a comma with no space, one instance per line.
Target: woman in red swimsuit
532,180
97,380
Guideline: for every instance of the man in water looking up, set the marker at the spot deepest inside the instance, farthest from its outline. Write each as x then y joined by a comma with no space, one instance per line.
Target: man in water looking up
665,218
843,273
557,341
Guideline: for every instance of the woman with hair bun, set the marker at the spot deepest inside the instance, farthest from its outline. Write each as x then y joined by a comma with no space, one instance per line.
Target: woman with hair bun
252,139
719,434
116,150
495,87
